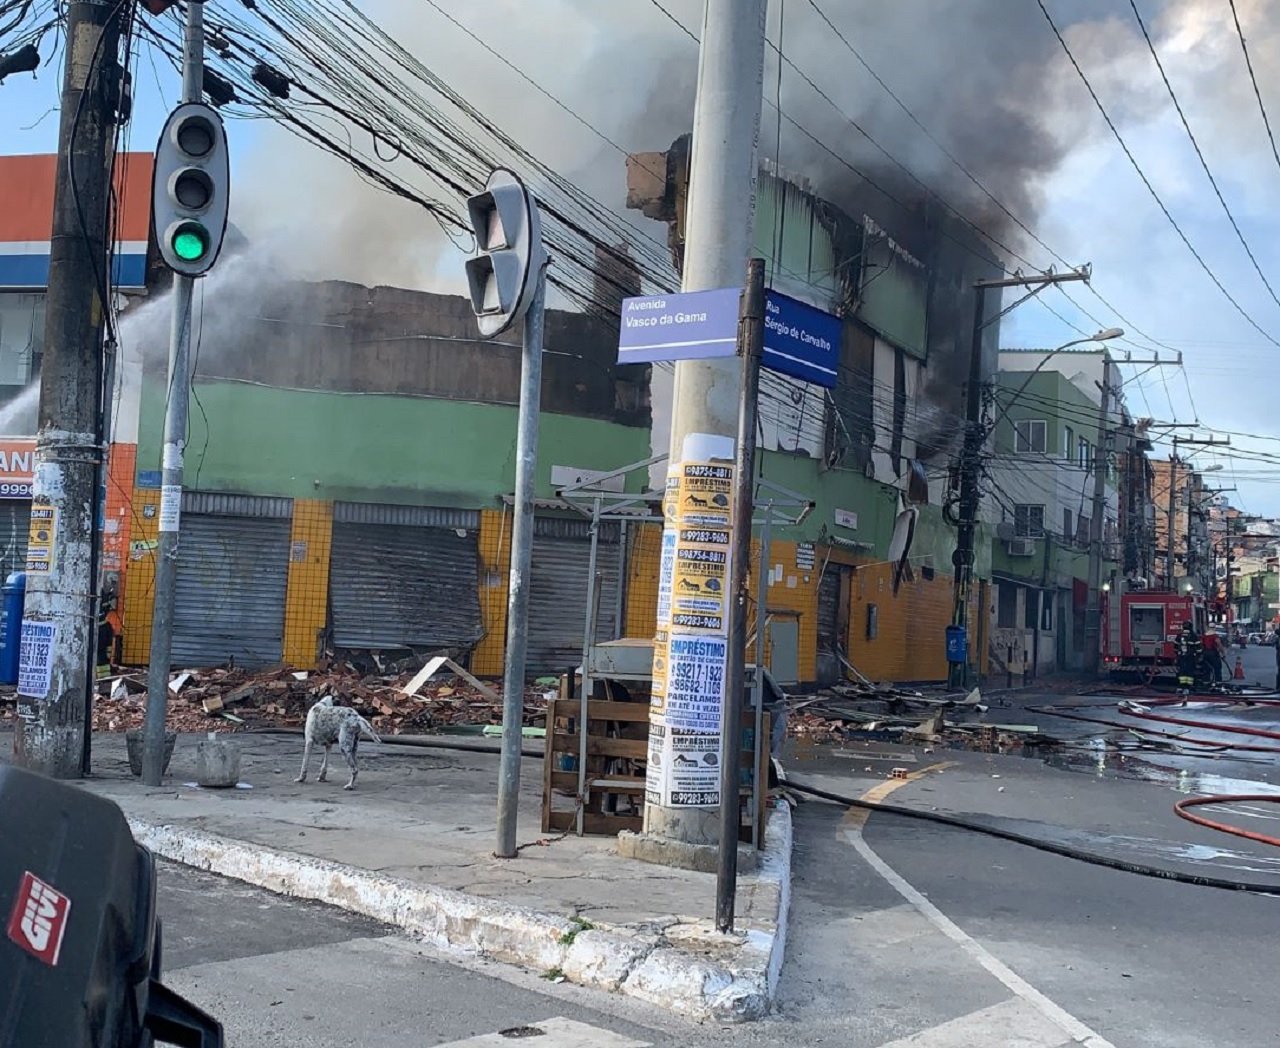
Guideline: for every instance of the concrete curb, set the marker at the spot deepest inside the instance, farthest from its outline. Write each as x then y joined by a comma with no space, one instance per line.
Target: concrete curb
686,968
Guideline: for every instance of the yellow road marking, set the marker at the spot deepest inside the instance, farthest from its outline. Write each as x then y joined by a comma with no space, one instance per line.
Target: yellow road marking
856,818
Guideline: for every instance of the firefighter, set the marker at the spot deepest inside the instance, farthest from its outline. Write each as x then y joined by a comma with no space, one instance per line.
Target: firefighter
1188,647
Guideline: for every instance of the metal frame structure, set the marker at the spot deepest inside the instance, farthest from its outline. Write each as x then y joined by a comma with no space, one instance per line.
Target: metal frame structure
775,506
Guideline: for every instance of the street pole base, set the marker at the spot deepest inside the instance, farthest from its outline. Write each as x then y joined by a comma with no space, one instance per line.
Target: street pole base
664,851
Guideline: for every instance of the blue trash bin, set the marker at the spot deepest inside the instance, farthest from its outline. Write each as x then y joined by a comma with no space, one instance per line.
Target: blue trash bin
957,644
12,597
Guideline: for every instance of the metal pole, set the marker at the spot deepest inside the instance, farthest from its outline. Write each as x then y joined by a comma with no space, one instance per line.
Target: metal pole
1168,540
175,440
58,619
521,556
757,692
588,682
970,462
719,231
751,346
1101,459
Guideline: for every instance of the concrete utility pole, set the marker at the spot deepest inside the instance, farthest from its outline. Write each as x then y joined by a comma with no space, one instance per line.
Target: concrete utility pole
975,437
175,440
58,627
1173,494
1101,462
719,233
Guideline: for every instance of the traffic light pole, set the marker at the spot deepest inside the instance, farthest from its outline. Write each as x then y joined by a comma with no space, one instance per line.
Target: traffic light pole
178,386
521,557
58,627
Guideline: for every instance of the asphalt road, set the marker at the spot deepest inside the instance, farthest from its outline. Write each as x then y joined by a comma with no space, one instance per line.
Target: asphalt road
903,934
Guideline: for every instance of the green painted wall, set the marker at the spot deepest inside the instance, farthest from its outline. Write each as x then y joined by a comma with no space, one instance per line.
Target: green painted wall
371,447
876,506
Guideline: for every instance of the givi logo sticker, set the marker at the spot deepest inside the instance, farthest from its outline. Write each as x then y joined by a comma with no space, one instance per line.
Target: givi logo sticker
39,919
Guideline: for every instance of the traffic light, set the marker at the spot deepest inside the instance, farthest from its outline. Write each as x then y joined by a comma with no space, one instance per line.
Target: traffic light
503,274
190,189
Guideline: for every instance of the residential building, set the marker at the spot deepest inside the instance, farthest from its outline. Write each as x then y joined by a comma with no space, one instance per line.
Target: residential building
1040,494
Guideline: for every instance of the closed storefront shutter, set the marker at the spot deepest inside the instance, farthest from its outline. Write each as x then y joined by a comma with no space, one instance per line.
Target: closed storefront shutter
558,591
405,577
15,520
232,574
829,610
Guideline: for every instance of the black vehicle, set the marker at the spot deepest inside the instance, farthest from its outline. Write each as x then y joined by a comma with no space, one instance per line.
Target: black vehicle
80,960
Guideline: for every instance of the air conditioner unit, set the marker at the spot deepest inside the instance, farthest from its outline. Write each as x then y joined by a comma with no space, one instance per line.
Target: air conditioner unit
1021,547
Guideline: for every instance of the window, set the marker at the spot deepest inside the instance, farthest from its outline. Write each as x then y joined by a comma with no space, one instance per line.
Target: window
1006,606
1069,443
1031,610
1028,521
1046,613
1084,455
1084,530
1030,435
1066,525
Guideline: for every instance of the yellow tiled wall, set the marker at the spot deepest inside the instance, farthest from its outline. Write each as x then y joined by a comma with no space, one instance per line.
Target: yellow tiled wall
141,574
495,563
642,580
794,594
910,638
306,599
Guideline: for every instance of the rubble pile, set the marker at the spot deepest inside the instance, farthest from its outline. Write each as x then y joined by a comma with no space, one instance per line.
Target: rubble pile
230,699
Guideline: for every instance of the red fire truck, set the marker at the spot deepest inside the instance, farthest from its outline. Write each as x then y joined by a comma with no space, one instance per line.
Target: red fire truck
1139,627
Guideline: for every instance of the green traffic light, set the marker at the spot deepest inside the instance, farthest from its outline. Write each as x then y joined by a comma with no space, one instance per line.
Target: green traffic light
191,243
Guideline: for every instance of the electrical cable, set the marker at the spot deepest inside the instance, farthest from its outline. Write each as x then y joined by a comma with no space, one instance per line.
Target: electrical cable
1115,131
1186,126
1253,79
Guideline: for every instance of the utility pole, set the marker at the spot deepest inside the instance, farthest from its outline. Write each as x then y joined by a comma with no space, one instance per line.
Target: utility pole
58,627
175,440
1101,462
750,348
1173,492
975,437
719,233
1173,500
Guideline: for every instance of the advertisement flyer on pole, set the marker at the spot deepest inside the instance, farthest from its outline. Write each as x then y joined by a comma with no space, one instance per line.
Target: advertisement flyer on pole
691,643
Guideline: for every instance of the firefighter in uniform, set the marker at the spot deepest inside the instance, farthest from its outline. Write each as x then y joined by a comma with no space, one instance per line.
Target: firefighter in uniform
1187,647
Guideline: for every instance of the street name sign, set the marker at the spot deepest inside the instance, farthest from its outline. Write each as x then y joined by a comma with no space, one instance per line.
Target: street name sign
801,340
694,325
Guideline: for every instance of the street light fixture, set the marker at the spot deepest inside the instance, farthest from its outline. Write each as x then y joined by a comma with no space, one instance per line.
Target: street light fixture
1105,335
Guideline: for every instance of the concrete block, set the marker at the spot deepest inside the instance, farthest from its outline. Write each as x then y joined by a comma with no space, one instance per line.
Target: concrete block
663,851
217,762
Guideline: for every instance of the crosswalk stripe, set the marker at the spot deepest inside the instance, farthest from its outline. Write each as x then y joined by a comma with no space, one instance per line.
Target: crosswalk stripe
1011,1024
553,1033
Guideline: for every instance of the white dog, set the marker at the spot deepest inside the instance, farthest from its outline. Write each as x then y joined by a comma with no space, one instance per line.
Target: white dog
327,724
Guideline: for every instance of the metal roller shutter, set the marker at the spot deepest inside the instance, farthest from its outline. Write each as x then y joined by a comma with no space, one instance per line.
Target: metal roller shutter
558,592
232,574
400,586
829,610
15,521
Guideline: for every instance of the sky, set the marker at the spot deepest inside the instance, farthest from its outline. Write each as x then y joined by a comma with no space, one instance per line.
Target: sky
986,77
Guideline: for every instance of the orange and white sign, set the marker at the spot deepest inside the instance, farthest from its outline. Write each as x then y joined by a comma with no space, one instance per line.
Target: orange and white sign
17,466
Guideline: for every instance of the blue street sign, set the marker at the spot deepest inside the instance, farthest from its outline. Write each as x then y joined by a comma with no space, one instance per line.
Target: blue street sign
800,340
695,325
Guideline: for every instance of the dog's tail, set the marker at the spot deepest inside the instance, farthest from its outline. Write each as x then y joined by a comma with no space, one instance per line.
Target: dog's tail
367,728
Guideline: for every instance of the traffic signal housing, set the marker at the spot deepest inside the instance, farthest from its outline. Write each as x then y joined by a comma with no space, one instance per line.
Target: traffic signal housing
191,188
503,274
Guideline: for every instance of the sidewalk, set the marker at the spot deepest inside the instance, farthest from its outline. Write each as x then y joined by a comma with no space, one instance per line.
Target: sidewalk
412,846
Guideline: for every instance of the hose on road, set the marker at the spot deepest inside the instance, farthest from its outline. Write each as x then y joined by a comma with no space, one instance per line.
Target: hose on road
1182,806
1039,843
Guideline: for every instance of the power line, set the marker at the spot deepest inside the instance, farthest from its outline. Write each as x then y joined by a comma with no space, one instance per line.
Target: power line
1200,153
1115,131
1253,78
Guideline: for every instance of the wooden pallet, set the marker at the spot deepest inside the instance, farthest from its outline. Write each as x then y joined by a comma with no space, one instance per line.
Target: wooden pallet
617,752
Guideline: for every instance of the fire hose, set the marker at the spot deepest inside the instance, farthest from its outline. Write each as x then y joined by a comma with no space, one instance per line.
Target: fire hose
1225,827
